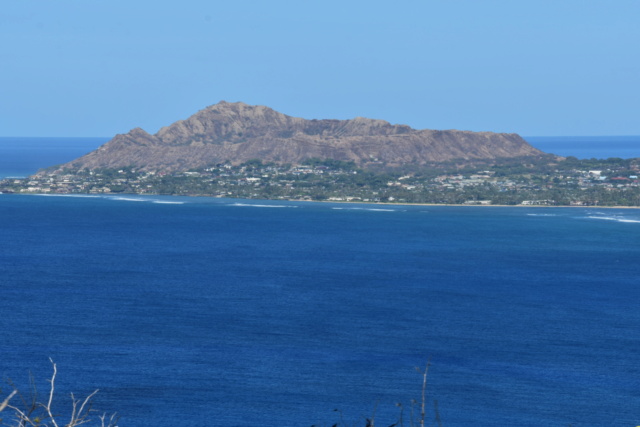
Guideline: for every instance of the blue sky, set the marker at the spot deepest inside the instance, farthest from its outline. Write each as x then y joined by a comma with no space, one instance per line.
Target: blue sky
101,67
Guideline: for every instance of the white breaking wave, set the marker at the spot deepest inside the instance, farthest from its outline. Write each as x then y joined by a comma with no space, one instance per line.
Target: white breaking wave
613,218
260,206
83,196
366,209
604,218
128,199
140,199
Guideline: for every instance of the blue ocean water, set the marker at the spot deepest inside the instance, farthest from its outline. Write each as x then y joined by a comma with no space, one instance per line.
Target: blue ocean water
587,147
23,156
198,311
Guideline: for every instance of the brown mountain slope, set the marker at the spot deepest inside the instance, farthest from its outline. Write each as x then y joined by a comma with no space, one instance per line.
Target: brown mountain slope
238,132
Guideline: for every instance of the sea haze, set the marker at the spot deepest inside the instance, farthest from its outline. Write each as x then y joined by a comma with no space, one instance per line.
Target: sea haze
20,157
198,311
587,147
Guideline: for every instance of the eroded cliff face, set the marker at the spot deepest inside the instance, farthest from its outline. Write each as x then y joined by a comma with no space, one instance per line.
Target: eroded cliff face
237,132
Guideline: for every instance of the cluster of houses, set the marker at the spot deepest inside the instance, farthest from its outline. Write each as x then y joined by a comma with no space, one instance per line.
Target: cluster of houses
298,181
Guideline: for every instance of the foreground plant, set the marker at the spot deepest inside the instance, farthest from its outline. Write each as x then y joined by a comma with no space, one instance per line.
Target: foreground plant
413,422
35,413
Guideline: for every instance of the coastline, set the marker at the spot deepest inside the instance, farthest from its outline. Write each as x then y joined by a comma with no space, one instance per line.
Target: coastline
452,205
330,202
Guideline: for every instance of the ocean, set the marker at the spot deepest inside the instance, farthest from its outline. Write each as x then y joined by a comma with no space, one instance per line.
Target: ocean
588,147
201,311
20,157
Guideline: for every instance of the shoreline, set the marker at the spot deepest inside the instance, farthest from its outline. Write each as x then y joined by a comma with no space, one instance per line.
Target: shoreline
328,202
452,205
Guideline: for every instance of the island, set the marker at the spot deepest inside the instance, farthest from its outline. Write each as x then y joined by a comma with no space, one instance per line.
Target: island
237,150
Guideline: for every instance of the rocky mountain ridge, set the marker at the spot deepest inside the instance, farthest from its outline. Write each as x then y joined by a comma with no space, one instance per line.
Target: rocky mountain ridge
237,132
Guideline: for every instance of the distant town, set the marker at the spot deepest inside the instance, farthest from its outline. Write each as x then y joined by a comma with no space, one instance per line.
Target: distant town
560,182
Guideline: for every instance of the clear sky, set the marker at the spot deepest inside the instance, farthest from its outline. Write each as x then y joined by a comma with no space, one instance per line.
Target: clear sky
535,67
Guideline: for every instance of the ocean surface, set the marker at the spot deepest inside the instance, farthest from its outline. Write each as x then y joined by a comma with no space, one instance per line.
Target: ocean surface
587,147
219,312
20,157
199,311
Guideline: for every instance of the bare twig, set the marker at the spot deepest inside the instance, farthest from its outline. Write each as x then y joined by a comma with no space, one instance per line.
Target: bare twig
38,414
435,408
111,422
52,381
413,406
6,401
22,417
424,390
400,421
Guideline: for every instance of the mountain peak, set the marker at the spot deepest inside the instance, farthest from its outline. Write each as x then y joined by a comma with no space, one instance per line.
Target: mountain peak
137,131
237,132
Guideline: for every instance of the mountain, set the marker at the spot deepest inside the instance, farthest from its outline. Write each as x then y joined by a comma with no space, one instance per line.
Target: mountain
237,132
